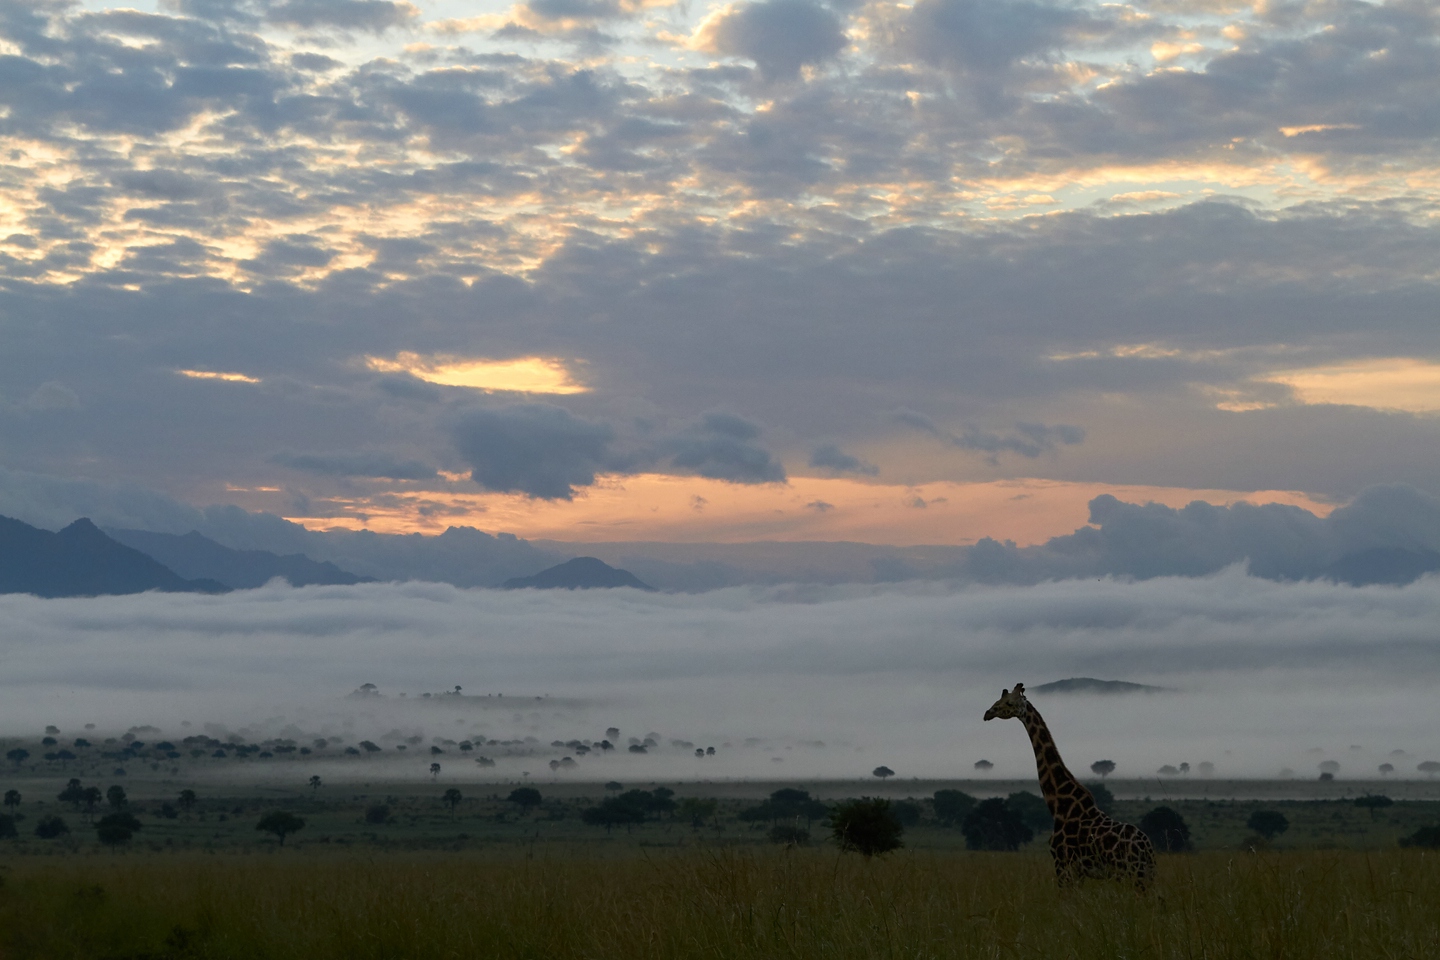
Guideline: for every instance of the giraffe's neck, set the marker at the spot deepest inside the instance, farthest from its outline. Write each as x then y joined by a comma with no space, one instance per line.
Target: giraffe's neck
1065,795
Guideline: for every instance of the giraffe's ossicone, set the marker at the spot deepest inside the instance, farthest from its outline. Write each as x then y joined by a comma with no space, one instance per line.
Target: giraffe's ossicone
1086,842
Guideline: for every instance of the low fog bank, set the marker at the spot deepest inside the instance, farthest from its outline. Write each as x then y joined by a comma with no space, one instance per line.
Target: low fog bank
785,683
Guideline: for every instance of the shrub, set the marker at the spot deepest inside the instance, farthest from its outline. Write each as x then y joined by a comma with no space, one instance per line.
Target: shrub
116,828
524,797
1426,837
1033,810
1104,799
7,827
866,826
1268,823
377,813
51,827
281,823
951,806
995,824
1167,830
907,812
789,834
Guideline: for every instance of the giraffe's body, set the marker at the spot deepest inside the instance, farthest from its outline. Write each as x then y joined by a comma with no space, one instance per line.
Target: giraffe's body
1086,842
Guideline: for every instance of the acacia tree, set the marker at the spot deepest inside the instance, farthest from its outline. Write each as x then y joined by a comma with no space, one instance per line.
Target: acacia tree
1102,768
17,756
12,798
524,798
1268,823
115,796
883,772
1373,802
187,801
452,800
281,823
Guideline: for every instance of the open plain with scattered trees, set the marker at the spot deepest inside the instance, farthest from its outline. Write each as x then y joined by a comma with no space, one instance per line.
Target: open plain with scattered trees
424,869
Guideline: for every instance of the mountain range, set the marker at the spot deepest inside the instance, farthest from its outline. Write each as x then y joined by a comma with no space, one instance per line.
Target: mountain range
81,561
581,573
195,556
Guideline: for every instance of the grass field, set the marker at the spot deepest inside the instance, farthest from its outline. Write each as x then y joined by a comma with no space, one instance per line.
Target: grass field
715,903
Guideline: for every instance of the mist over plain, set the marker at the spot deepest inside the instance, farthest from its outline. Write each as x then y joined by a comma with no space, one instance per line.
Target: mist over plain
800,682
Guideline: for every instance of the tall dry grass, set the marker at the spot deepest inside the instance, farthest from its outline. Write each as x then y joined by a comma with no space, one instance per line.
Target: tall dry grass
715,904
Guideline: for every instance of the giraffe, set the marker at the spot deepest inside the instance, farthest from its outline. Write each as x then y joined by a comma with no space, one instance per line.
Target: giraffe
1086,842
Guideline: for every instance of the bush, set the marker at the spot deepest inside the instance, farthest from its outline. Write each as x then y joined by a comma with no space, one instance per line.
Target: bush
995,824
1167,830
1268,823
524,797
951,806
1033,810
116,828
786,804
907,812
1426,837
51,827
789,834
7,827
1104,799
377,813
866,826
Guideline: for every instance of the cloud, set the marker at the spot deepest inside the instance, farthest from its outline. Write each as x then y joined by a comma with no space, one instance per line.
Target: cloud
374,16
535,449
828,456
53,395
899,675
1027,439
366,464
781,36
722,447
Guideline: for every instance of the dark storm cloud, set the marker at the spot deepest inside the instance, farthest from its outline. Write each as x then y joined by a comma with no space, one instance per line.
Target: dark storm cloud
828,456
535,449
781,36
723,447
369,464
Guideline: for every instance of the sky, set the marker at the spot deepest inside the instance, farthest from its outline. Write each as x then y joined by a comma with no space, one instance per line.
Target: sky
826,682
786,269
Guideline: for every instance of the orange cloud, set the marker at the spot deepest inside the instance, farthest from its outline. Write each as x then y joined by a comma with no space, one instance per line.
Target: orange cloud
1393,383
693,510
520,375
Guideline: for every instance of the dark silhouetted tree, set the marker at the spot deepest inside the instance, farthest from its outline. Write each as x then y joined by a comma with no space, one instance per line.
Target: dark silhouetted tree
369,746
1033,810
116,828
7,828
908,812
115,796
1386,769
994,824
187,801
282,823
984,766
92,799
1104,799
1167,830
73,793
452,800
12,798
866,826
51,827
696,811
1268,823
882,772
1373,802
1425,838
1429,767
1102,768
315,783
526,798
434,771
951,806
17,756
377,813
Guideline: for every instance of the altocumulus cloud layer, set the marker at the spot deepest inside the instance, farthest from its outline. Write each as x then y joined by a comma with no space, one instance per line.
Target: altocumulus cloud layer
1266,675
753,231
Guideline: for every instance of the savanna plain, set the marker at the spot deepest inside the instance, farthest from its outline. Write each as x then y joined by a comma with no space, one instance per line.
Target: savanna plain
426,869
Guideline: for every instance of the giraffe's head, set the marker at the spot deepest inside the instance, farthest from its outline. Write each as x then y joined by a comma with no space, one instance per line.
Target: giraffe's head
1012,703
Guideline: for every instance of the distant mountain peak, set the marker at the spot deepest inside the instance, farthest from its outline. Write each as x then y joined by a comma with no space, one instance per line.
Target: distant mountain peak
196,555
581,573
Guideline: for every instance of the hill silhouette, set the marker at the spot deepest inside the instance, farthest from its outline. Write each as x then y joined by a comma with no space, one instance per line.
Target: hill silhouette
81,561
1091,685
582,573
1391,565
194,555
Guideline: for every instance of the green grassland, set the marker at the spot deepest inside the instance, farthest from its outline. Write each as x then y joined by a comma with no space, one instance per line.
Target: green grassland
483,877
713,902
